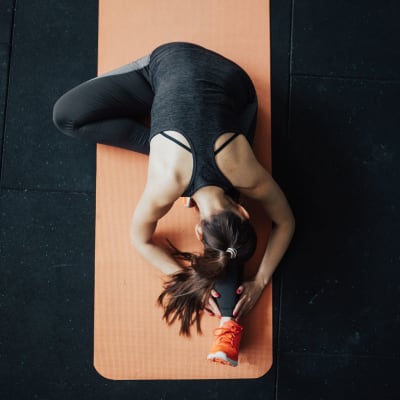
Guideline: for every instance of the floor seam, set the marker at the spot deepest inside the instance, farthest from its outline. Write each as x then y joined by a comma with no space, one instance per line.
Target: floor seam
7,86
10,189
352,355
344,77
290,80
289,101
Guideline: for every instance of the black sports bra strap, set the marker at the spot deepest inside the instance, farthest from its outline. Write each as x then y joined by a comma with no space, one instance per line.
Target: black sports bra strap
226,143
176,141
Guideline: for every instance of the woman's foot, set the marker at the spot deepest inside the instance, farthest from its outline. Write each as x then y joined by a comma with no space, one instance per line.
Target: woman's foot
225,349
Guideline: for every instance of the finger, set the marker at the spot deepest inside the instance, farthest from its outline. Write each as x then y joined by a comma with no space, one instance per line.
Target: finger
239,290
215,294
209,312
244,305
214,307
239,305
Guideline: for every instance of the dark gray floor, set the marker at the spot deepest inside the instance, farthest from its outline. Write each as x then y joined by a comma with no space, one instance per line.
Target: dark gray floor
335,82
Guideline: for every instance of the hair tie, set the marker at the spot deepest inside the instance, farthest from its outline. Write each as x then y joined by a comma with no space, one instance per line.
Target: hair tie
232,252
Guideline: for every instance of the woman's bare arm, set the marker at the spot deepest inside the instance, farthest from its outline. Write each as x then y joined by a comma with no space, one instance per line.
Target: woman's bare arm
277,208
148,211
264,189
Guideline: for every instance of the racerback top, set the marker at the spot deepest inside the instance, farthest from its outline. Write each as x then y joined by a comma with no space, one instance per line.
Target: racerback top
199,94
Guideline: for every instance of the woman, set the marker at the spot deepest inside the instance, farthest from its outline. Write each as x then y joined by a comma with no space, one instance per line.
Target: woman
203,113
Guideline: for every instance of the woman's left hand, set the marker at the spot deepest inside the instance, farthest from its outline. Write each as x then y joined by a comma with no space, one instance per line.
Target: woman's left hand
250,292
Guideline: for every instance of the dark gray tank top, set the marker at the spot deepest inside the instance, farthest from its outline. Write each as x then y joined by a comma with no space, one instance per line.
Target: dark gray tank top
199,94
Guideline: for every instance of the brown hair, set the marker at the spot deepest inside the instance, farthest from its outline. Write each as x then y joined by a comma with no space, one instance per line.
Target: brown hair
186,293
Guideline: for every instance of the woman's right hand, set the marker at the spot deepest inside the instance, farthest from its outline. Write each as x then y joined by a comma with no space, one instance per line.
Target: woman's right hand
212,307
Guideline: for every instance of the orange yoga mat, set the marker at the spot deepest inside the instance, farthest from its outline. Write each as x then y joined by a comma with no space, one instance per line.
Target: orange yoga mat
130,339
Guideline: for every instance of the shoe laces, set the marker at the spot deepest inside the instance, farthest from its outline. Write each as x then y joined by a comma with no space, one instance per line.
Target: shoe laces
229,335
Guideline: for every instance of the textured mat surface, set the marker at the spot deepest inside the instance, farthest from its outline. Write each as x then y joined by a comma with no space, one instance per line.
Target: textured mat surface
130,340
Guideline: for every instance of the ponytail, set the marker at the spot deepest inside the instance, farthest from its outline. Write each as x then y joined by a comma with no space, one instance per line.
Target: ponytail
187,292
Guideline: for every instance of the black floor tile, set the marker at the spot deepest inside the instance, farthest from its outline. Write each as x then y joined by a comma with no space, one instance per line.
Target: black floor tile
54,48
340,285
4,60
347,38
6,16
46,291
280,22
338,377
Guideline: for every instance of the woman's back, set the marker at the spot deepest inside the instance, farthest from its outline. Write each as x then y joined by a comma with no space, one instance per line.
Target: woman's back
204,99
170,168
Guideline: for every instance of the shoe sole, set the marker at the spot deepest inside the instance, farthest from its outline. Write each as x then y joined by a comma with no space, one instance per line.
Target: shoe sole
221,358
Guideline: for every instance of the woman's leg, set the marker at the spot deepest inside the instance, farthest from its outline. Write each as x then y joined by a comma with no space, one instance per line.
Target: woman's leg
225,348
226,288
109,109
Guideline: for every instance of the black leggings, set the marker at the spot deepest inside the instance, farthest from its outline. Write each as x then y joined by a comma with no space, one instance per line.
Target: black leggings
112,109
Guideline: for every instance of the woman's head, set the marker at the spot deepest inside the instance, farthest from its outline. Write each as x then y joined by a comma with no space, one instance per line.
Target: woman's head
229,239
229,230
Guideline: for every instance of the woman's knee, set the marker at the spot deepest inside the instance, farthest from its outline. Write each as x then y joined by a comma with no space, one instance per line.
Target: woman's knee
66,115
61,118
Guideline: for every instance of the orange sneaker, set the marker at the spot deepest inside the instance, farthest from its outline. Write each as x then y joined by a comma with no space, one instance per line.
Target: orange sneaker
226,346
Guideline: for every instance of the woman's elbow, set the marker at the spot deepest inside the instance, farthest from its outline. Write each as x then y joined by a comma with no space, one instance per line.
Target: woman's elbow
291,225
288,225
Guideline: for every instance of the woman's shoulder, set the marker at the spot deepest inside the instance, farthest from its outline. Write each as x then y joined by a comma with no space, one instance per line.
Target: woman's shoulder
240,165
162,186
170,166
